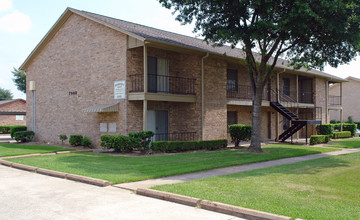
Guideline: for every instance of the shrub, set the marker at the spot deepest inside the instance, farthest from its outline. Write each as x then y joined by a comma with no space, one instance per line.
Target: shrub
318,139
119,143
357,125
24,136
325,129
342,134
142,139
350,120
347,127
181,146
63,137
86,142
5,129
239,133
16,129
334,122
75,139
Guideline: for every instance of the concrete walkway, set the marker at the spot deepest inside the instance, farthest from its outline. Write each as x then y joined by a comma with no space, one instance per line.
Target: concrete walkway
5,138
227,170
27,195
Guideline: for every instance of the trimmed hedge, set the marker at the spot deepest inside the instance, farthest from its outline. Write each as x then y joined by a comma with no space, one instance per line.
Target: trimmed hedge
181,146
120,143
342,134
75,139
239,132
16,129
86,142
5,129
347,127
24,136
325,129
319,139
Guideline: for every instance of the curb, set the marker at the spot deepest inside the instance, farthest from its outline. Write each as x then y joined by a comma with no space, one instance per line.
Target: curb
78,178
212,206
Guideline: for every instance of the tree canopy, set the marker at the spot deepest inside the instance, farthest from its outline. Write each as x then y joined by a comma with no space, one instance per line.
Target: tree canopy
308,33
19,79
5,94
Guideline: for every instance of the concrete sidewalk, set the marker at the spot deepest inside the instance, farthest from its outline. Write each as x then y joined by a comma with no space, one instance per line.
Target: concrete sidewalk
5,138
227,170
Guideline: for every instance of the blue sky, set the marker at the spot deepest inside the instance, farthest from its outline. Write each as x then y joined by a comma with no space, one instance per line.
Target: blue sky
23,23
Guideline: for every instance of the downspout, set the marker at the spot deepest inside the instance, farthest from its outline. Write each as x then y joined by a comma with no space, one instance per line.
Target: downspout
202,94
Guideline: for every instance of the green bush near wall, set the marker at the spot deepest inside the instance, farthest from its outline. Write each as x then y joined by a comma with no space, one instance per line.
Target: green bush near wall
24,136
342,134
5,129
319,139
181,146
16,129
239,132
75,139
325,129
347,127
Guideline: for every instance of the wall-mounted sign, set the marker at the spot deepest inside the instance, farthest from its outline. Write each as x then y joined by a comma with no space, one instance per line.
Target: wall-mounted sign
120,89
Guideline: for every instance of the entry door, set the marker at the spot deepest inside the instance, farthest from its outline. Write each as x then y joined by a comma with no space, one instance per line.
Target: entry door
158,122
158,75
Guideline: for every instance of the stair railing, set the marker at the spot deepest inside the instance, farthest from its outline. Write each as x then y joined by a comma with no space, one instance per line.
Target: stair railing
285,100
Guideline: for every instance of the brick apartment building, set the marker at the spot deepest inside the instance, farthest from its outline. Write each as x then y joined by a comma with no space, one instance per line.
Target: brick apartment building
96,75
12,112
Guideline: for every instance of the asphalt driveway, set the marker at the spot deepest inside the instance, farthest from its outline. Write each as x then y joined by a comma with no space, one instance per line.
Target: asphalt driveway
26,195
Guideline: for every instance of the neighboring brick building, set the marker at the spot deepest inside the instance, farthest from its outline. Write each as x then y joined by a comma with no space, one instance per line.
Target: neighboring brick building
87,77
12,112
346,97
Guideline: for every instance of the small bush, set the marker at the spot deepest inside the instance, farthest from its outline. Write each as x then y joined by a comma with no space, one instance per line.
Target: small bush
350,120
239,133
119,143
342,134
86,142
16,129
63,137
347,127
24,136
325,129
181,146
318,139
75,139
5,129
142,139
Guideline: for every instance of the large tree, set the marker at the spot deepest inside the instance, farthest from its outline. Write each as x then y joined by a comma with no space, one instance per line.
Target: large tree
5,94
19,79
308,33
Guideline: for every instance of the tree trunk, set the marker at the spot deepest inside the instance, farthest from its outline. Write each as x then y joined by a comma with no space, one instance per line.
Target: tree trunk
255,145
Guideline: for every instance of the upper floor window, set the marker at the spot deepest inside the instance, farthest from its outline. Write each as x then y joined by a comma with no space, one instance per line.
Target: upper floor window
232,118
232,80
286,86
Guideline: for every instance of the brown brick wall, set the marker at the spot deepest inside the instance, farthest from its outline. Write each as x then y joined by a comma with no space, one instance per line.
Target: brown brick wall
19,106
85,57
11,120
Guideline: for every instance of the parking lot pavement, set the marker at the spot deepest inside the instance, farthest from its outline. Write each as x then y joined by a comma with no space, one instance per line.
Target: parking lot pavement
26,195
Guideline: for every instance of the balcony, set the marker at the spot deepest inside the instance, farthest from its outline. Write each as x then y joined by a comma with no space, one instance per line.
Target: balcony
244,92
162,88
334,100
163,84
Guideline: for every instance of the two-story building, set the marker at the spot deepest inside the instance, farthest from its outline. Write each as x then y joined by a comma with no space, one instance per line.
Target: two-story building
95,75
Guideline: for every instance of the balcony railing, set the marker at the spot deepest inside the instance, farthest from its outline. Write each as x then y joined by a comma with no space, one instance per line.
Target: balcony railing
177,136
163,84
244,92
334,100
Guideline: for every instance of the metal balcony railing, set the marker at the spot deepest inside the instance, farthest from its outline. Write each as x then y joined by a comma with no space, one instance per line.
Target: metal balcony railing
176,136
244,92
334,100
163,84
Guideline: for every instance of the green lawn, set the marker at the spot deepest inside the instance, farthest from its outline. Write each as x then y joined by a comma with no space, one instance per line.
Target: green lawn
117,169
326,188
346,143
19,149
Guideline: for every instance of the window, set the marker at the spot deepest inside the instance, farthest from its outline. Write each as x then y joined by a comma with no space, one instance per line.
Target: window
231,117
286,86
19,118
232,80
158,74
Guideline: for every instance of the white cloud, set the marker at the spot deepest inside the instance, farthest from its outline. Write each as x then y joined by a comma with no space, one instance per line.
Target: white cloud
5,5
15,22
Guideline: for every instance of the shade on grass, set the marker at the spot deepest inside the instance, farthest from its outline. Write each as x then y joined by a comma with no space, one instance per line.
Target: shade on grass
346,143
22,149
117,169
326,188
